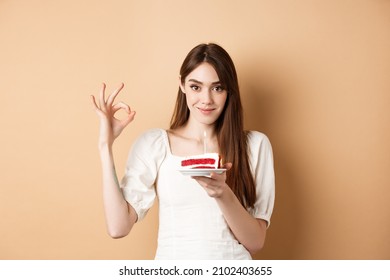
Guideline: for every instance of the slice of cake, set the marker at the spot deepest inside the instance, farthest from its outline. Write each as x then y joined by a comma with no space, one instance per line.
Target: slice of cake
204,161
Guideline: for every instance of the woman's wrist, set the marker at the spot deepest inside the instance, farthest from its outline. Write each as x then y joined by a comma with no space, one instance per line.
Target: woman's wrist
226,194
104,148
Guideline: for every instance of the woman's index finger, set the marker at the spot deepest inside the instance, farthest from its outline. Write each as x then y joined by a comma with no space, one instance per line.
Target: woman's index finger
112,97
102,95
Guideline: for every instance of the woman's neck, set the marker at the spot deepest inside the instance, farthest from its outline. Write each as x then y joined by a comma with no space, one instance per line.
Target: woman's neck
199,131
193,138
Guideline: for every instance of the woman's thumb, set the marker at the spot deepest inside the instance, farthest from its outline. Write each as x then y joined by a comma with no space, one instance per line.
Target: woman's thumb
227,165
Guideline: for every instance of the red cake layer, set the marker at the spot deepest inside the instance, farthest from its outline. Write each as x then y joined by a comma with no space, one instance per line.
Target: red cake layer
203,161
203,167
197,161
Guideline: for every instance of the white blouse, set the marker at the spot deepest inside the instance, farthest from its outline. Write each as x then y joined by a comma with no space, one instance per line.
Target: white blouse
191,225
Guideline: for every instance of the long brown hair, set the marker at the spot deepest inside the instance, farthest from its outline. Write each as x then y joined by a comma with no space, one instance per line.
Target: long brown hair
232,139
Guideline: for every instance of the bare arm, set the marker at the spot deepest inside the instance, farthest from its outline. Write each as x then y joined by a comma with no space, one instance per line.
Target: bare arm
120,216
248,230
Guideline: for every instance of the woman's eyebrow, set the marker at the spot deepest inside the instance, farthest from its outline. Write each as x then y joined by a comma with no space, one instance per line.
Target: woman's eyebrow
199,82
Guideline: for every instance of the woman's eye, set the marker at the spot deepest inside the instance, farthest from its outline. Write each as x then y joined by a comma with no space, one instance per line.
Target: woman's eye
218,89
194,87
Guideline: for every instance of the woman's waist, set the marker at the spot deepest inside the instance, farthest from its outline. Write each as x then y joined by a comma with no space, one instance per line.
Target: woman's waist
196,248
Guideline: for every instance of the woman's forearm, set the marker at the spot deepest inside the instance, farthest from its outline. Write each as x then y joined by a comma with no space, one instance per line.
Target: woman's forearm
120,216
248,230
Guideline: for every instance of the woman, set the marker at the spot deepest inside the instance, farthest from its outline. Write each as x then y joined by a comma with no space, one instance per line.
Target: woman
221,216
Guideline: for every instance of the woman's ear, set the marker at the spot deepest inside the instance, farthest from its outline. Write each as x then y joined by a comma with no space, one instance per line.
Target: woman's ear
181,85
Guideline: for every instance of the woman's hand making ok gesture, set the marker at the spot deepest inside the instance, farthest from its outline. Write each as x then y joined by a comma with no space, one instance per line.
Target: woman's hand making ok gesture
111,127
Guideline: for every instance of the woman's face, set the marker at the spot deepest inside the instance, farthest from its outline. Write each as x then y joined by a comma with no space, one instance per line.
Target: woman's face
204,94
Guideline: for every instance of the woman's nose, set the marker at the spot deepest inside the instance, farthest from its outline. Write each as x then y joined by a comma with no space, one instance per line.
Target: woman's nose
206,97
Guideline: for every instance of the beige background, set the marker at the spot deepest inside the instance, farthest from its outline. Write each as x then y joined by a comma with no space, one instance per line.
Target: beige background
314,77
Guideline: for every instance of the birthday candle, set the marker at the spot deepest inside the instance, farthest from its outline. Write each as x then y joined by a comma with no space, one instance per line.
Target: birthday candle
204,142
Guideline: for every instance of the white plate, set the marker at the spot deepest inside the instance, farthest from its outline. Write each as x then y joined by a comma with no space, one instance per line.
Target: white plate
200,172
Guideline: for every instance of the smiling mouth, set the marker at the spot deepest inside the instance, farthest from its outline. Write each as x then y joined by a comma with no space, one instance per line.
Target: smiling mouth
206,110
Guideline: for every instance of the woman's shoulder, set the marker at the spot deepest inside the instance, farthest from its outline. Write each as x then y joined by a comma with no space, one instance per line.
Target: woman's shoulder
260,150
153,137
152,133
257,138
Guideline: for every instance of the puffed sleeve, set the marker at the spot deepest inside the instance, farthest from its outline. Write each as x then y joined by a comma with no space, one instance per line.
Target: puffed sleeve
262,166
144,160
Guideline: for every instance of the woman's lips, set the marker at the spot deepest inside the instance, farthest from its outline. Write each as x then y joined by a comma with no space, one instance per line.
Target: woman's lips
206,111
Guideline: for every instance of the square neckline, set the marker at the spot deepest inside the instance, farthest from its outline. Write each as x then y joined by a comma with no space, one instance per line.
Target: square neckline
168,145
